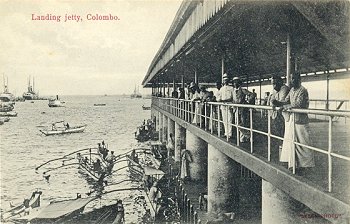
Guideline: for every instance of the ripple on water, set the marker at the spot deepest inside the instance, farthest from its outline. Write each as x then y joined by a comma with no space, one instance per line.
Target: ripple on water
23,147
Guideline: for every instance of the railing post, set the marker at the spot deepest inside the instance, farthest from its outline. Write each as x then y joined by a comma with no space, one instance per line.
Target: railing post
211,118
293,143
195,218
251,129
330,164
186,110
219,121
205,116
236,124
227,122
191,216
185,207
269,135
188,209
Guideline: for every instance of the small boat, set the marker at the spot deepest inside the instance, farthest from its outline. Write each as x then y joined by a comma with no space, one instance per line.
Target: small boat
8,114
145,108
99,104
66,129
22,209
73,211
6,106
55,102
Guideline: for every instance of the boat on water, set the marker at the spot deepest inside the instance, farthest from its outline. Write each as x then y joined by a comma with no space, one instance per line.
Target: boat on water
55,102
6,106
146,131
30,94
136,93
19,210
6,96
145,108
64,129
150,166
8,114
66,211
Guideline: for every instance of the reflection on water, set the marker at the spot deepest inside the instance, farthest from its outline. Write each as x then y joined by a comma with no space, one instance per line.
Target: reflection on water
23,147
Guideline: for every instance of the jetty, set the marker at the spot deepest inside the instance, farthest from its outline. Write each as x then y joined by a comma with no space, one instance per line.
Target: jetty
255,41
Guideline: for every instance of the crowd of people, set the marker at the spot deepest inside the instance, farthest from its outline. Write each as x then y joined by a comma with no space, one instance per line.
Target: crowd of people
282,97
146,131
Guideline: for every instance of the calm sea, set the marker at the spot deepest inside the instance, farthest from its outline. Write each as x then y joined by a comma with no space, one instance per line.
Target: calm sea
23,147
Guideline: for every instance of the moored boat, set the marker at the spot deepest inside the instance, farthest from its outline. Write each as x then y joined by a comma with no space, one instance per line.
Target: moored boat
73,211
30,94
23,208
8,114
6,106
66,129
145,108
55,102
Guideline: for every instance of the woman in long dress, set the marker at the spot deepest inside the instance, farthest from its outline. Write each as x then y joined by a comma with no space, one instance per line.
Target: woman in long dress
185,160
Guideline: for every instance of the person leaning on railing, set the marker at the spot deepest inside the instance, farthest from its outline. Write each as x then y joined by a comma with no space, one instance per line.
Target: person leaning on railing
298,97
278,118
239,97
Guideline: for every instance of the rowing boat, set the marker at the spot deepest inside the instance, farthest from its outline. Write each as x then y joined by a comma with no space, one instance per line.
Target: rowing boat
60,131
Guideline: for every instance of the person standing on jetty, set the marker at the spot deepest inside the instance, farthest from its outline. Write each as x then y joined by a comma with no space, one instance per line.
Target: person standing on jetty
298,97
226,94
239,97
280,92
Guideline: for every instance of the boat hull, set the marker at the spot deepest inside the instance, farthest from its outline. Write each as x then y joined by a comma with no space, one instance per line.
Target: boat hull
71,130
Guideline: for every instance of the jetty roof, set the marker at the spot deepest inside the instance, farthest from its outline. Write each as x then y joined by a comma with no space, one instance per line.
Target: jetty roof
251,36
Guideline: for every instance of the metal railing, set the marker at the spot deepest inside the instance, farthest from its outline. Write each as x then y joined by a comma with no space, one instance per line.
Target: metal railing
208,117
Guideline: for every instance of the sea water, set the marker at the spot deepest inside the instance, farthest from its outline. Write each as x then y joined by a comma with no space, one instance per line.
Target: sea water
23,147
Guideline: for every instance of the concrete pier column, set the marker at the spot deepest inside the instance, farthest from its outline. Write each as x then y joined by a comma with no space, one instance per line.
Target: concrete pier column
180,135
165,128
278,207
198,150
223,182
160,129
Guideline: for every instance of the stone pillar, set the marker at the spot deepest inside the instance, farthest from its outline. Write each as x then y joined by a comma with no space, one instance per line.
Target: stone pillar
223,182
160,129
165,129
278,207
180,135
198,150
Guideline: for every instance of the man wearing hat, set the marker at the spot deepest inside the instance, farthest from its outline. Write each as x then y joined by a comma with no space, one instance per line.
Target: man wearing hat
226,94
239,97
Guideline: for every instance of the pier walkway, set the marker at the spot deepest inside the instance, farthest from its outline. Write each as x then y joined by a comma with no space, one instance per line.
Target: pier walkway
329,180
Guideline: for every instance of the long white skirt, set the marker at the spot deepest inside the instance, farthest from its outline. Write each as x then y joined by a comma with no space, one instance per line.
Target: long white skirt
304,157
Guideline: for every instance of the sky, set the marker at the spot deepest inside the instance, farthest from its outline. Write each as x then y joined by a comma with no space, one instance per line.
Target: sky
84,57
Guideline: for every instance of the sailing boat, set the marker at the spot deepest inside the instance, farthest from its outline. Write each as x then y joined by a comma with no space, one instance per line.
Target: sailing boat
6,96
136,93
30,94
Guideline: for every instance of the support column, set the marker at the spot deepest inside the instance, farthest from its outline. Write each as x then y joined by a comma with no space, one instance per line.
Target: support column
160,129
165,129
278,207
180,134
223,182
198,150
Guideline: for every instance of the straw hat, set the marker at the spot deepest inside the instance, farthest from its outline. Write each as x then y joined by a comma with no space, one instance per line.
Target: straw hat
236,79
192,85
224,76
